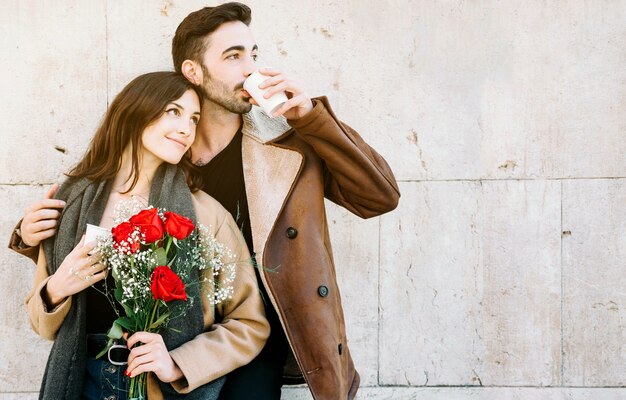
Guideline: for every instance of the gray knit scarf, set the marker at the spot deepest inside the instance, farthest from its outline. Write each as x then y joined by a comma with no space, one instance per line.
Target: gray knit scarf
85,202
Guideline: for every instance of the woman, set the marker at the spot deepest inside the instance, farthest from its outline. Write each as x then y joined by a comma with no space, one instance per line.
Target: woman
146,131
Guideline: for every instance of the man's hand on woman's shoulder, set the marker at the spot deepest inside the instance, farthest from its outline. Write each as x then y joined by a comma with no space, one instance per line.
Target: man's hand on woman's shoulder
40,219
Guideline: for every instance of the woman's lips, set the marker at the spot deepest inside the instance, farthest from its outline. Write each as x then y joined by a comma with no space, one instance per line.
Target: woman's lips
178,142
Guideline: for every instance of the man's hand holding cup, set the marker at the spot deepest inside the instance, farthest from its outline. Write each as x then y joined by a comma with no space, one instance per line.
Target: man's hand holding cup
277,94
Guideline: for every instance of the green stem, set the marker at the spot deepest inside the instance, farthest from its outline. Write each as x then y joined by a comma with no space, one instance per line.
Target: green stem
151,319
132,267
137,387
167,246
138,384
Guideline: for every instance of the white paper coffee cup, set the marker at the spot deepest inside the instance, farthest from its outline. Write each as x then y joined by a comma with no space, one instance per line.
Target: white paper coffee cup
94,232
251,85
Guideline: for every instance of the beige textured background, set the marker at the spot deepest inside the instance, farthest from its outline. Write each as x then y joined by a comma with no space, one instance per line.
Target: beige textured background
500,275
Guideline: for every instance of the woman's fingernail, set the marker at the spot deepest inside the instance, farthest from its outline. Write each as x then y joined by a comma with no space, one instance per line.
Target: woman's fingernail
127,373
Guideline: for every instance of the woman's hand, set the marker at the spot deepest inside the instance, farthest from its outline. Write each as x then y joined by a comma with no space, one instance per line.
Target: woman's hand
150,355
77,272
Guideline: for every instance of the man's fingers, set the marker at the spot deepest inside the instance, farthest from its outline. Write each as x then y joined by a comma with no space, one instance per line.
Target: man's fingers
51,203
46,213
281,87
45,203
274,80
43,235
42,225
269,71
52,191
289,104
35,239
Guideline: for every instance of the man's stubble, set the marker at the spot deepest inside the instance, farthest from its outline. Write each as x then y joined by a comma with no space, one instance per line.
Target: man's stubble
219,93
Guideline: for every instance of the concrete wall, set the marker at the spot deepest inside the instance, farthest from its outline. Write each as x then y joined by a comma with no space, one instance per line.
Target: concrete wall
500,275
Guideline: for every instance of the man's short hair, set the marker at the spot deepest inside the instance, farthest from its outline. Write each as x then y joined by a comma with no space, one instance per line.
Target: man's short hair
190,41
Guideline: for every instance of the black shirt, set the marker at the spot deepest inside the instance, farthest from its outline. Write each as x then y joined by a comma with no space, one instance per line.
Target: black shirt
222,179
100,312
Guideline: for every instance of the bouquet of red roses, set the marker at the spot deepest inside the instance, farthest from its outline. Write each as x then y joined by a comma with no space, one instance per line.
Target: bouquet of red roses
153,256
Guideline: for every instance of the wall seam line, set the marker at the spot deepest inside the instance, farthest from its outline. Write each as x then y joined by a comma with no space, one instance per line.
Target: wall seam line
562,377
379,312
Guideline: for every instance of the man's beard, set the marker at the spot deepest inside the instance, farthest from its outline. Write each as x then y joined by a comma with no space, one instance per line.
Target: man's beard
218,93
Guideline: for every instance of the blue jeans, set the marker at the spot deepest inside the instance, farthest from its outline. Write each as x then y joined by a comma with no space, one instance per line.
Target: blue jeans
103,380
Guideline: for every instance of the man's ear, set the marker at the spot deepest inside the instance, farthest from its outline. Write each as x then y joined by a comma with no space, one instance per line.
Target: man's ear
192,71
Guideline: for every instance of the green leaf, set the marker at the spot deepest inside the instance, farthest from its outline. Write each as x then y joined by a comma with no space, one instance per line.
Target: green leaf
117,293
160,256
116,330
116,275
127,324
159,321
128,310
171,262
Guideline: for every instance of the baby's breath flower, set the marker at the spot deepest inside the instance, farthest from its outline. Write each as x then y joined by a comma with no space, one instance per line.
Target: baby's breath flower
132,268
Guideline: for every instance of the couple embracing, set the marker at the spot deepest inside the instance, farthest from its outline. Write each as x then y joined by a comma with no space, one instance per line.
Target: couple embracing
194,142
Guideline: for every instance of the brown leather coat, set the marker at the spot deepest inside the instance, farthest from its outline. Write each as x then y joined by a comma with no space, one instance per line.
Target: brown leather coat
287,177
288,171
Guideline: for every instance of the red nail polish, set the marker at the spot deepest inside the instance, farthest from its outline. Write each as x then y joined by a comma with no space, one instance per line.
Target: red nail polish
127,373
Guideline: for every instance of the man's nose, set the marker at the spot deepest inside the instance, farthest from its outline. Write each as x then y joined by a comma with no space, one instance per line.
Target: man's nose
250,66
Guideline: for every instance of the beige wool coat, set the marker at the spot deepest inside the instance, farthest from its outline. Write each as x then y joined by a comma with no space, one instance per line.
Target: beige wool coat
224,346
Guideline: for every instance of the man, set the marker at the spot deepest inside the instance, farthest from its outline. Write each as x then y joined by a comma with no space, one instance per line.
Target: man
272,174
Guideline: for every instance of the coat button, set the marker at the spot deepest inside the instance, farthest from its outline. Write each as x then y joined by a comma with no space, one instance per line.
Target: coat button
340,348
322,291
291,232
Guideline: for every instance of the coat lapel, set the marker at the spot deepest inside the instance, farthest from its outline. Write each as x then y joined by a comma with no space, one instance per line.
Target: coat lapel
269,173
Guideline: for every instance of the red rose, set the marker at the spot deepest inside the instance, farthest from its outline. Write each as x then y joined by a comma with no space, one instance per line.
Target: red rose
123,233
150,224
177,225
166,285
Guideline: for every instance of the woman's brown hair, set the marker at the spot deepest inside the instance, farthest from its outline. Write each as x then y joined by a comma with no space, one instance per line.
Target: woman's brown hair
139,104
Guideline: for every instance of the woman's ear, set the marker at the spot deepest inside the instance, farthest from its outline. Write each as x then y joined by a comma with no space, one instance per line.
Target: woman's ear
192,71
